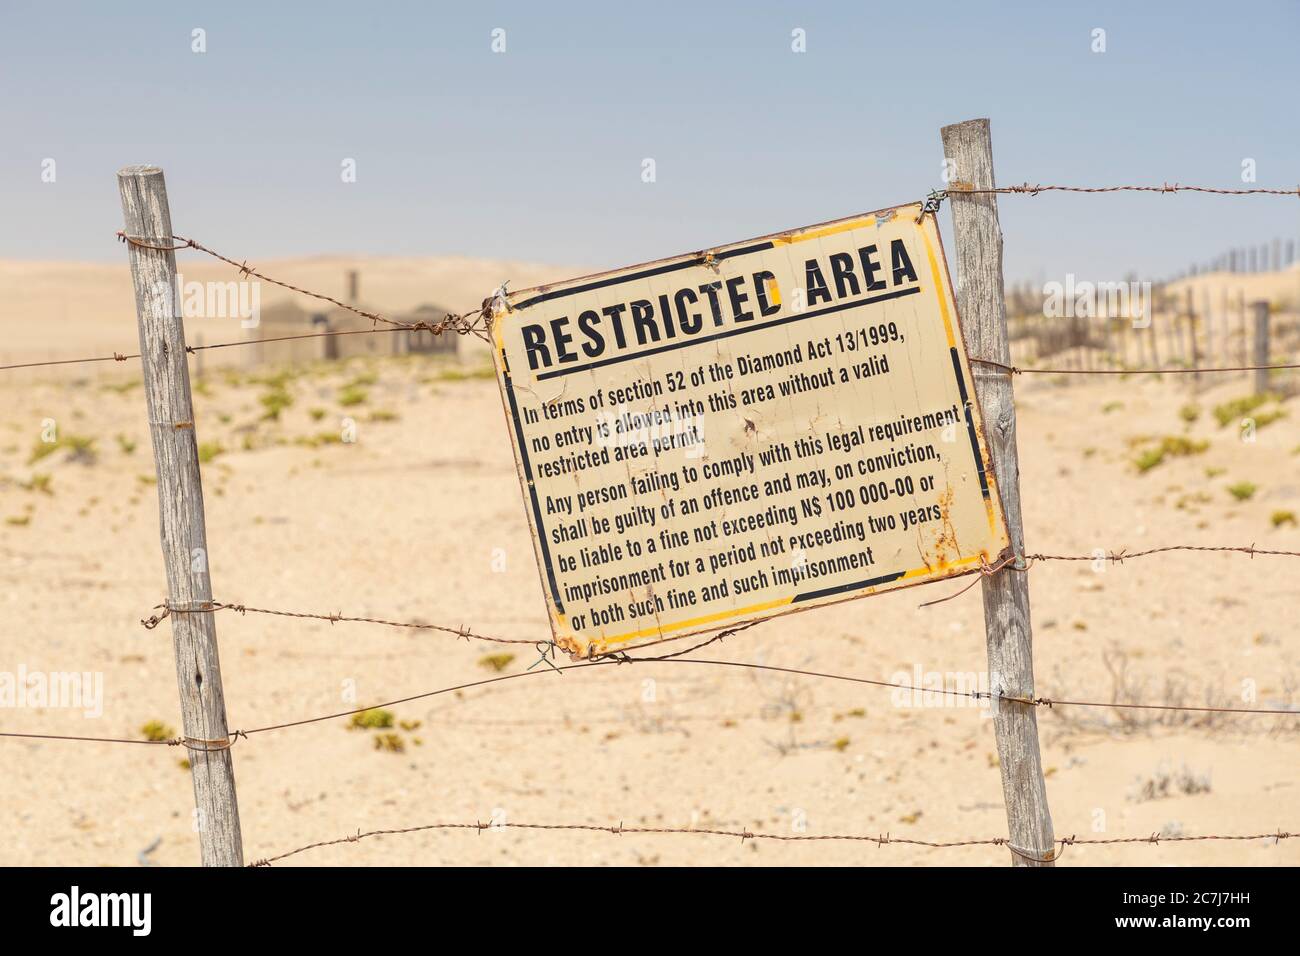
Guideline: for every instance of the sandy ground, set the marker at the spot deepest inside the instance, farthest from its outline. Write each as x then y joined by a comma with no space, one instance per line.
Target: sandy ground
421,519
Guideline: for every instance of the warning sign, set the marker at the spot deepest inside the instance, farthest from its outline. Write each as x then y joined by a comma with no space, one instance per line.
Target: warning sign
747,431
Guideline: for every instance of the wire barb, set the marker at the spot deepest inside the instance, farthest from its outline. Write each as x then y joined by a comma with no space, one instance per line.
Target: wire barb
881,840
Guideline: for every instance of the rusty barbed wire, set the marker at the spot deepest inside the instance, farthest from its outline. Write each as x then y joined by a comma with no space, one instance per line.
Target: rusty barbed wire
960,188
1122,555
198,744
475,322
624,658
1005,560
1024,562
193,349
204,607
881,840
478,322
1017,370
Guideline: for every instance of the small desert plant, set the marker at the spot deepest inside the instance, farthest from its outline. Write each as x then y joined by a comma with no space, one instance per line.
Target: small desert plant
156,730
374,719
1190,413
351,395
80,449
1169,783
1171,446
42,483
318,439
465,375
210,450
496,662
1279,518
1239,408
121,387
390,743
274,402
1243,490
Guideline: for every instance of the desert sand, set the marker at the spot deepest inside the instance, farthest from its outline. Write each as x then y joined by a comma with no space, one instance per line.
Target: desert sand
421,519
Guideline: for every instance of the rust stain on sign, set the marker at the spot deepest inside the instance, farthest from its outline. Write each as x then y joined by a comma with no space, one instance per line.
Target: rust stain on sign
747,431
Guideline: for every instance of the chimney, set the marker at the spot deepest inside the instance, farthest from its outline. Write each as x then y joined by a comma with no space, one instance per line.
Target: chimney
354,282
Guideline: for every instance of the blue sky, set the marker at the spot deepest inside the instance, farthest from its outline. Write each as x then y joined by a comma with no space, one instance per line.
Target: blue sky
536,153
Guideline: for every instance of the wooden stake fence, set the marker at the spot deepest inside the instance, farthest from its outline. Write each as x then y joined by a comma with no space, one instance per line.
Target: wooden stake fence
1260,343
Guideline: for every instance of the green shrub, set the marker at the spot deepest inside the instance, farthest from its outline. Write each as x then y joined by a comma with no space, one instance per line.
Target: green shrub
157,730
41,483
1171,446
1243,490
374,719
496,662
274,402
80,448
351,395
1239,408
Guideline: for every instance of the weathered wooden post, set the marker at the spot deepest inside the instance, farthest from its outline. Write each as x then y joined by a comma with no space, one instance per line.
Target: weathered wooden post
1260,344
1006,593
1191,337
1207,309
148,231
1241,314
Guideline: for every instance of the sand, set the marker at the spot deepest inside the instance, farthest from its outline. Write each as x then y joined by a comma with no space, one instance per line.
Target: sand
421,519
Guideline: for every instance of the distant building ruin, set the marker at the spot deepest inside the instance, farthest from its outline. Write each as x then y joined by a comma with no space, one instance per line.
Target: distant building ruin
289,318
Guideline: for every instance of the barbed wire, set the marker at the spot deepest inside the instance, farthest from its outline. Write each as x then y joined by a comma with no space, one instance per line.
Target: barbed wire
1026,188
193,349
622,657
1011,561
1122,555
1006,560
475,322
881,840
1017,370
202,607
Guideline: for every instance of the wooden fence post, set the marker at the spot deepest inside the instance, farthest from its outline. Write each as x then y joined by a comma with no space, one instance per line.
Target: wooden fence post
1007,628
1260,343
180,511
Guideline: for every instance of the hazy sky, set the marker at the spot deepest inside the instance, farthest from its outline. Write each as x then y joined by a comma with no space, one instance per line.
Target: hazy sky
536,153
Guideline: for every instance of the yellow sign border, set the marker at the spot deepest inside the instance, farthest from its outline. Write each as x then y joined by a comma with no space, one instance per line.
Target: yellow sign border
735,617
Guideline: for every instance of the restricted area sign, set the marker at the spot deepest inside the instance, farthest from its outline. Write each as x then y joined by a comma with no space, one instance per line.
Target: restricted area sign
747,431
